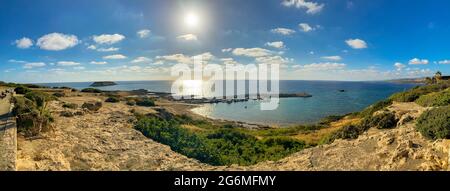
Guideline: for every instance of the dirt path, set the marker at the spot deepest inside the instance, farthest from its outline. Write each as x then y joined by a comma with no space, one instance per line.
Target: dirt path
7,136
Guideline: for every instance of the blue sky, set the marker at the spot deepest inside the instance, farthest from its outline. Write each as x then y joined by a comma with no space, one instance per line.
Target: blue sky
89,40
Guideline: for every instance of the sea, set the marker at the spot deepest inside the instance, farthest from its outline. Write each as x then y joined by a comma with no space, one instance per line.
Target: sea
328,98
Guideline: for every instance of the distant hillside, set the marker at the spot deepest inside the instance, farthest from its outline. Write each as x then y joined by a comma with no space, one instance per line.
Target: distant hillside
409,80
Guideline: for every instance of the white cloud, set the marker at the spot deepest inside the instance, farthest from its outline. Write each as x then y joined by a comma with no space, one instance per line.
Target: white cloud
143,33
283,31
17,61
79,68
311,7
207,56
444,62
272,60
68,63
141,60
228,61
276,44
399,66
177,58
57,41
92,47
252,52
416,61
188,37
111,49
227,50
305,27
32,65
108,38
98,63
324,66
24,43
332,58
356,43
115,57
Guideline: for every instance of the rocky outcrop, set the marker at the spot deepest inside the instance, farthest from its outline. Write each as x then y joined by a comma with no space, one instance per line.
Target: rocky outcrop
103,83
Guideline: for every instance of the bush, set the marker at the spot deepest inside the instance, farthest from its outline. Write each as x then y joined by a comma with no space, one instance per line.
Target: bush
385,120
91,90
31,118
40,98
219,147
145,102
22,90
112,100
92,106
435,99
349,132
435,123
67,114
369,111
70,105
59,94
330,119
131,102
415,93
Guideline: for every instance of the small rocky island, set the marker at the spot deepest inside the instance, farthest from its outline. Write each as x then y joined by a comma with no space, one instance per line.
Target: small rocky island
103,83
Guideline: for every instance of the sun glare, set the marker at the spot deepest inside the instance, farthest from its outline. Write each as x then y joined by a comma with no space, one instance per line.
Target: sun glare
191,20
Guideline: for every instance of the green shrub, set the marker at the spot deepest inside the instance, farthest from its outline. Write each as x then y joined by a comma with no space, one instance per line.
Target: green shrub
435,123
369,111
219,147
92,106
145,102
349,132
415,93
330,119
112,100
435,99
70,105
31,118
67,114
21,90
59,94
40,98
91,90
131,102
384,120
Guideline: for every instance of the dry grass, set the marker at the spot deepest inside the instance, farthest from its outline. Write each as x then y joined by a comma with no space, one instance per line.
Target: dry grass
316,136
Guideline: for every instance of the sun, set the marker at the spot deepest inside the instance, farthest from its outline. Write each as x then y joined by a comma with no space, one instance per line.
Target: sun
191,20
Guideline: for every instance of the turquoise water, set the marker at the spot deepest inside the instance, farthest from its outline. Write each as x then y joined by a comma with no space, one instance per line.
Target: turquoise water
327,100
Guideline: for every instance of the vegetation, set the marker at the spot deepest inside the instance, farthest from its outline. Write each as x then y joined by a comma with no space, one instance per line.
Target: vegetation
70,105
145,102
91,90
32,115
330,119
112,100
369,111
435,99
219,146
92,106
435,123
413,94
22,90
59,94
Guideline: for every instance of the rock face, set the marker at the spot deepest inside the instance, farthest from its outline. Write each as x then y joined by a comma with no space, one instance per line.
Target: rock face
103,83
